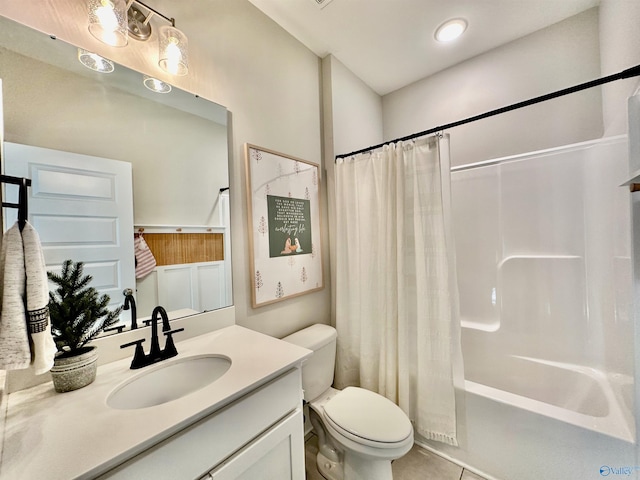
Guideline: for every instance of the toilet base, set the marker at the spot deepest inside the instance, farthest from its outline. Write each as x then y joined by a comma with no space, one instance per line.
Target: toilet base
354,468
329,469
357,467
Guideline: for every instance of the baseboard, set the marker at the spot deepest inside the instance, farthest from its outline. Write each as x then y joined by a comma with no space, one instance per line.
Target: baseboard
456,461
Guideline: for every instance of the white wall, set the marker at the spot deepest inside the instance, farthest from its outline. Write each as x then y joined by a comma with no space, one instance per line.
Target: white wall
352,115
556,57
619,50
354,109
270,83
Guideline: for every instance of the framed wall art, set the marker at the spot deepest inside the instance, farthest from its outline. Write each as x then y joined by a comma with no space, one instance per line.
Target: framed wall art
284,224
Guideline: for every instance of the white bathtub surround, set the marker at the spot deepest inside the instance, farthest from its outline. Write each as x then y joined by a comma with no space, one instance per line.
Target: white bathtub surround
545,282
396,300
543,257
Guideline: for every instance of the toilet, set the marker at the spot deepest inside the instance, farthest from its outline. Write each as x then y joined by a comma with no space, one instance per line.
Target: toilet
359,432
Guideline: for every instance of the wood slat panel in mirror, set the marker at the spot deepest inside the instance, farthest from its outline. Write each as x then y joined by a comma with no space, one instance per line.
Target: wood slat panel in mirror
180,248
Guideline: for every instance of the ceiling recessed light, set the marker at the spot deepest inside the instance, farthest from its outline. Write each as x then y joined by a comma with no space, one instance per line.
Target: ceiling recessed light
451,29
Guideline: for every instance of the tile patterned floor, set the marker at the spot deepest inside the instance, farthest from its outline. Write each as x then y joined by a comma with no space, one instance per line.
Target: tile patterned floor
418,464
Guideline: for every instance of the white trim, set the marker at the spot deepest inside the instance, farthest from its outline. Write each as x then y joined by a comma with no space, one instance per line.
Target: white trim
538,153
179,229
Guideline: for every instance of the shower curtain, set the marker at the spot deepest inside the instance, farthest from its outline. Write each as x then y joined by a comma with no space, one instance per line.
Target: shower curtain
396,292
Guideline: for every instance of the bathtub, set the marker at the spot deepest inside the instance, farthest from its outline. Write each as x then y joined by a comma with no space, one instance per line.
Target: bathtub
544,273
574,394
506,436
517,431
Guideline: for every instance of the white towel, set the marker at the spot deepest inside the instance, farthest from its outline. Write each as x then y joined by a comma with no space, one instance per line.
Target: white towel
43,348
14,340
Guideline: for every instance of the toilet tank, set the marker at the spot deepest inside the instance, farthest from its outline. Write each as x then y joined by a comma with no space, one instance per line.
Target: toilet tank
317,370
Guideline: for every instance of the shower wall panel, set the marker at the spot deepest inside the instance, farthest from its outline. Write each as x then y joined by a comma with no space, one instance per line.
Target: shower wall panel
542,245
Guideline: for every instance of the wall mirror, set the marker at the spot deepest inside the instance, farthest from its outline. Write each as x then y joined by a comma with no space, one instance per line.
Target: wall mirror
175,144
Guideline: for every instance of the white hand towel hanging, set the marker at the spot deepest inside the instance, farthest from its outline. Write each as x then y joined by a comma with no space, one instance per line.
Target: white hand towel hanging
15,352
43,348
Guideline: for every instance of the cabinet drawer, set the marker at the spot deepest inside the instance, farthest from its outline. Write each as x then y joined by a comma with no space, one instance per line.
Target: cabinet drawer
198,448
278,454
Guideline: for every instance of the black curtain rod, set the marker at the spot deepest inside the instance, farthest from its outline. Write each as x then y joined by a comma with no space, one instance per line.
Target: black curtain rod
628,73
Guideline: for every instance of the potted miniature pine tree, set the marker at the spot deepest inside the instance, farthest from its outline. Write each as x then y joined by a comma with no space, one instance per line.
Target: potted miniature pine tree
78,315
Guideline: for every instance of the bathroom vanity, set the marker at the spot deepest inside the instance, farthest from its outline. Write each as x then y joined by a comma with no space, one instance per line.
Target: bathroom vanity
245,424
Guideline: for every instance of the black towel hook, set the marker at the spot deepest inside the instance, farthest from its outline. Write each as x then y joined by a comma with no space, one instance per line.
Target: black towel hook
23,197
23,204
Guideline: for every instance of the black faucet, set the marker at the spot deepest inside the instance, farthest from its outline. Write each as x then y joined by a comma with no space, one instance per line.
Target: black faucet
140,359
130,302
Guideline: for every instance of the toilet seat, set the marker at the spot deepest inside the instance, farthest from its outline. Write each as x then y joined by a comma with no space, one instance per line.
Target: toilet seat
367,418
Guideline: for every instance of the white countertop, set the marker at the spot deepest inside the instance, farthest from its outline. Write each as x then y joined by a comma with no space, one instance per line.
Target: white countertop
53,436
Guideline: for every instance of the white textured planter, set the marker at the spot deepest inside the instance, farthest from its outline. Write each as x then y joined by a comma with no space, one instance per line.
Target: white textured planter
72,373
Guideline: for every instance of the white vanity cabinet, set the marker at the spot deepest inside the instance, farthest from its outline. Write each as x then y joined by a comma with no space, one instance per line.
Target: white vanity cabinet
247,424
260,435
274,455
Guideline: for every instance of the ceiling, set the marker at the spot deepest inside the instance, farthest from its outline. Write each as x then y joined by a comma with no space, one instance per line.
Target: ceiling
390,43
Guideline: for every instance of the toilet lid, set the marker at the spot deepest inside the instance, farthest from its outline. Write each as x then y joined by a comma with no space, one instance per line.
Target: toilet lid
368,415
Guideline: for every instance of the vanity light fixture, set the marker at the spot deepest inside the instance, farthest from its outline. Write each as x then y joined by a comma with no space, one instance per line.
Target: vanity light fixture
155,85
172,43
450,30
114,21
173,51
108,21
95,62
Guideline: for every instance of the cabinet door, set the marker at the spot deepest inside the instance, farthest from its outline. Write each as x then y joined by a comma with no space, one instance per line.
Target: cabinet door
277,454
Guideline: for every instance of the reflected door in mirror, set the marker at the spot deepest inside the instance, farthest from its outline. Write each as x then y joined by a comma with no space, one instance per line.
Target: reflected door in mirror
81,207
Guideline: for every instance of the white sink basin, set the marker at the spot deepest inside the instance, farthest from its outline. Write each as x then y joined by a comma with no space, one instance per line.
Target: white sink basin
169,381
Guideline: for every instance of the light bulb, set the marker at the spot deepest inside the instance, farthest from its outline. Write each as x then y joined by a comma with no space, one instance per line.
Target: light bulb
107,16
173,54
108,21
173,57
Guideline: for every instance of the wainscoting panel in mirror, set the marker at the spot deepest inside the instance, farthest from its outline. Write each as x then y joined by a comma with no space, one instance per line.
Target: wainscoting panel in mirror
176,144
